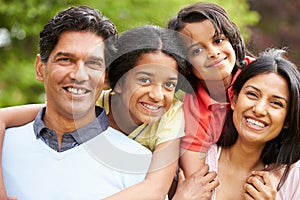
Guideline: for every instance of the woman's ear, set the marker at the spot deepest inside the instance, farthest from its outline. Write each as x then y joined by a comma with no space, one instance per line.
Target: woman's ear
233,101
286,125
39,68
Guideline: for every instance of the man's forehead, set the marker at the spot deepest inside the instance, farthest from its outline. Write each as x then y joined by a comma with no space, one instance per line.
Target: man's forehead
81,42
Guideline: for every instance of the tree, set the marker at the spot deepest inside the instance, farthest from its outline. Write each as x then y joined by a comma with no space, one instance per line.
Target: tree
21,21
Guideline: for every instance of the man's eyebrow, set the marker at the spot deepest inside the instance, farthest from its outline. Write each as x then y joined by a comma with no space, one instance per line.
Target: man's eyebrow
98,58
61,53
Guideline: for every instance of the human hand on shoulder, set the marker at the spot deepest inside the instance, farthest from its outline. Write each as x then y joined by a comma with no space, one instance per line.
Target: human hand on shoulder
198,186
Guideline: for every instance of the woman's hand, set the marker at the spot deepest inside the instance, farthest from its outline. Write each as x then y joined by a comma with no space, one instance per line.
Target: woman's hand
260,186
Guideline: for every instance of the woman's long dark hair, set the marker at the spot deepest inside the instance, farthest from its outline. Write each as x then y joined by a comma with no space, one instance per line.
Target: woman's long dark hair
285,148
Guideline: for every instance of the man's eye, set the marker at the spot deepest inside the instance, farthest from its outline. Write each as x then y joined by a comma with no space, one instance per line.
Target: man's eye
95,65
64,59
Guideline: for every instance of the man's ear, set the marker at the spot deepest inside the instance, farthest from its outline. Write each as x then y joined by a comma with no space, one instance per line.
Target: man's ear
39,68
233,101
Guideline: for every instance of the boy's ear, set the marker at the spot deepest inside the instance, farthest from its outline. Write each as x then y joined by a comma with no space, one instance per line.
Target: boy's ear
233,101
39,68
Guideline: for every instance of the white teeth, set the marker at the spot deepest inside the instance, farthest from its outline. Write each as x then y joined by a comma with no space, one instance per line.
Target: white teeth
151,107
76,91
256,123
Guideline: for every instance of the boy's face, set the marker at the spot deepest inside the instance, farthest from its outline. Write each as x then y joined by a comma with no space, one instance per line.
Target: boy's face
212,56
74,75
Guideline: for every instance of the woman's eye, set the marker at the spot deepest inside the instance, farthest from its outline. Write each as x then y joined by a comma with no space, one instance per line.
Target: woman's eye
277,104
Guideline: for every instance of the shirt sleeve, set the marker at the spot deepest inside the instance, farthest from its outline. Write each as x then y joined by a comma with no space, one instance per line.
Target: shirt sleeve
171,125
290,189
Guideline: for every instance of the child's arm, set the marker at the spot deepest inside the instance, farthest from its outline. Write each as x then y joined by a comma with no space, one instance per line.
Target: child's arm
191,161
160,175
9,117
19,115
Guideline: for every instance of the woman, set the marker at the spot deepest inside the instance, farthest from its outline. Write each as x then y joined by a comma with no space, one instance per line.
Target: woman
257,156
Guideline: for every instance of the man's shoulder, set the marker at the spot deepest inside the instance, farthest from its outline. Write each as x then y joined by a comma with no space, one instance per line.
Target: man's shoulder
123,141
119,152
28,126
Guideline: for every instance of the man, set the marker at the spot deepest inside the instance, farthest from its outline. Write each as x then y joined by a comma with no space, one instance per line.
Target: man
69,151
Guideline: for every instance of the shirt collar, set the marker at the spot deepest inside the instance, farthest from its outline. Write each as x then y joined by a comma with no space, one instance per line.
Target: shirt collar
81,135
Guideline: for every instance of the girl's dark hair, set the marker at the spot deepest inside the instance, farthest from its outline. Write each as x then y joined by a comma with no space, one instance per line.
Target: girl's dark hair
285,148
223,25
145,39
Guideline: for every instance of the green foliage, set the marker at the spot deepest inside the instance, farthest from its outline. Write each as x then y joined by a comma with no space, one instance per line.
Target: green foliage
25,19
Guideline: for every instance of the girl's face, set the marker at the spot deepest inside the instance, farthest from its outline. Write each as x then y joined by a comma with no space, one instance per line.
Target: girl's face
148,88
261,107
212,56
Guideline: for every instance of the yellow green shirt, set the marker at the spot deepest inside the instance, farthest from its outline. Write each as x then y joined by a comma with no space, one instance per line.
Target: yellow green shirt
169,127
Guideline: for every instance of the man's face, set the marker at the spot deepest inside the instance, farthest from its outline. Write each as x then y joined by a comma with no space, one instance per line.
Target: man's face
74,74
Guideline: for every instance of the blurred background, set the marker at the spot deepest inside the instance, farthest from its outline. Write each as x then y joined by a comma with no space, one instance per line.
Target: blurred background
263,23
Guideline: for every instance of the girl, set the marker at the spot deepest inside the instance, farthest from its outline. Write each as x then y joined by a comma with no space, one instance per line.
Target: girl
216,53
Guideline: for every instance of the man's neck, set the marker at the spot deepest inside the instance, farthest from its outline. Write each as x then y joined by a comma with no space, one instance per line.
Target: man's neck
62,124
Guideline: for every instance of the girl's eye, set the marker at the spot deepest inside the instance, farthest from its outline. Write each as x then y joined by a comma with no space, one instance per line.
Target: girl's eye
144,81
170,85
219,40
252,95
196,51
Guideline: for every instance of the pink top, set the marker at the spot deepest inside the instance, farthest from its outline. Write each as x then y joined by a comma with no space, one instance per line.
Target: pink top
290,189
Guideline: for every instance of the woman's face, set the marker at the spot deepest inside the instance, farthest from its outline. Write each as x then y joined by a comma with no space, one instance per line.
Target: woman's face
212,56
260,109
148,88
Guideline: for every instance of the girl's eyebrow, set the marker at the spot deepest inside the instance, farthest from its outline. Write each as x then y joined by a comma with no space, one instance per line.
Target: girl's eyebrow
275,96
152,75
192,45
